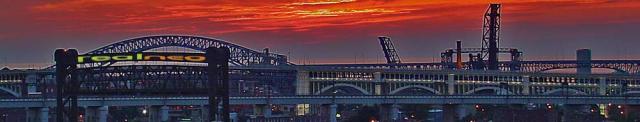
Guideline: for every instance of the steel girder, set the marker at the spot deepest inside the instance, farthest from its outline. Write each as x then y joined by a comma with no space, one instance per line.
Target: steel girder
132,80
159,79
240,56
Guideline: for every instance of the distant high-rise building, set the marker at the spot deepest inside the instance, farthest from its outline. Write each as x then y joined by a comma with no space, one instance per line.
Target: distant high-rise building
583,57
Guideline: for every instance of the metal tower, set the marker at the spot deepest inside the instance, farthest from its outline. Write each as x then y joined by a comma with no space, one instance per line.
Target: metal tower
491,36
66,85
389,50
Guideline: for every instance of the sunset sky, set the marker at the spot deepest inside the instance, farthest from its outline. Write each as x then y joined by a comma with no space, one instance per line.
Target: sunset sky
322,31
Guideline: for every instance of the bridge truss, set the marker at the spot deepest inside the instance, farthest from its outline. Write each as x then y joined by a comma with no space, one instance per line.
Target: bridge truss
73,81
240,56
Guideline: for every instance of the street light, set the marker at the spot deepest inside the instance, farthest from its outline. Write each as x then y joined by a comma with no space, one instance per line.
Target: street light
144,111
5,117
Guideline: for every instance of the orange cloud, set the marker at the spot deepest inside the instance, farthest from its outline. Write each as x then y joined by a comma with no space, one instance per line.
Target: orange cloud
323,2
240,16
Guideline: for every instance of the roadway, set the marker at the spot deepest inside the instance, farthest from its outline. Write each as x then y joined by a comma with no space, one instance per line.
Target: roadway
283,100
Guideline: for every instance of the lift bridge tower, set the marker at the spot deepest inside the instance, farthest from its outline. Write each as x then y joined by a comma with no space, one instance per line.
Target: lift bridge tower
491,36
485,57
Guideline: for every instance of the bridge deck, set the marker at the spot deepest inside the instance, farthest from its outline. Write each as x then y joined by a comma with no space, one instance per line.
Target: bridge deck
444,99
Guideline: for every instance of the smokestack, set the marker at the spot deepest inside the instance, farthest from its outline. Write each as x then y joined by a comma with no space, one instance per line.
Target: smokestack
458,54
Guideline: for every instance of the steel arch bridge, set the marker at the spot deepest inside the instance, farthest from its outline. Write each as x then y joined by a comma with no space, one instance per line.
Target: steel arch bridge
240,56
246,66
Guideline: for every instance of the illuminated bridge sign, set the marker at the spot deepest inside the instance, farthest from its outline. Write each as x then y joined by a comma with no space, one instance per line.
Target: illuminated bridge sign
143,56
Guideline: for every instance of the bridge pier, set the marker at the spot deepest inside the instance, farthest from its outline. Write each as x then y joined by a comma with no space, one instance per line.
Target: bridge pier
96,114
159,113
31,83
198,115
379,84
389,112
462,111
204,113
44,114
451,84
448,112
395,110
262,109
452,112
333,111
164,114
526,84
37,114
233,117
153,114
302,83
103,113
30,115
602,86
89,114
